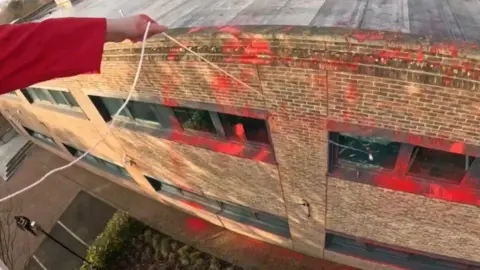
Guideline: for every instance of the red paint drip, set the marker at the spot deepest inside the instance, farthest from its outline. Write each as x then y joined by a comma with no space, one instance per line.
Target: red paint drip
196,224
193,204
362,36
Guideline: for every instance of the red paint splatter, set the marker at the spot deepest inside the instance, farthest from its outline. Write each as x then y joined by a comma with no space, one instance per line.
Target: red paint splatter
362,36
193,204
458,148
394,54
196,224
170,102
420,54
352,92
449,49
196,29
405,184
230,29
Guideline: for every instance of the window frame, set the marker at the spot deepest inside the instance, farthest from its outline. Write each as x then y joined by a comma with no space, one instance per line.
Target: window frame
368,250
41,137
354,172
31,95
413,157
99,163
165,115
217,207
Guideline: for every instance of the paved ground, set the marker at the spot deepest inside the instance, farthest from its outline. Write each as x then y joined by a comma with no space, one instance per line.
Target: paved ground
449,19
86,218
57,193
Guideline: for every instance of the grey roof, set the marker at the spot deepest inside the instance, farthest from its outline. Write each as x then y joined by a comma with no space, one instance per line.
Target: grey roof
446,19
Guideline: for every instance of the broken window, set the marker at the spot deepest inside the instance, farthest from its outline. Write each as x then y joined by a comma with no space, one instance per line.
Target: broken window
367,151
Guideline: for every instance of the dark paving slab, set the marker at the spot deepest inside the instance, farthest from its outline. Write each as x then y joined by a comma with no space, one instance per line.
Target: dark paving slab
87,216
54,256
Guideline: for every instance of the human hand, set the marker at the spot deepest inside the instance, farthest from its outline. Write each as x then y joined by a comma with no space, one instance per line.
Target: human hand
132,28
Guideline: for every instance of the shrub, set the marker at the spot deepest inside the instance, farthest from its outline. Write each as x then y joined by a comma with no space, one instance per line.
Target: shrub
110,245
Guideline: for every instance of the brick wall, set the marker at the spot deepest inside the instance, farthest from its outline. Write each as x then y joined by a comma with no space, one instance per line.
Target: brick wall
303,77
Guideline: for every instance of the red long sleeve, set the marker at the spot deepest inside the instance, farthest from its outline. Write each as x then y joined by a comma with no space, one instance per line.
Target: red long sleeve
36,52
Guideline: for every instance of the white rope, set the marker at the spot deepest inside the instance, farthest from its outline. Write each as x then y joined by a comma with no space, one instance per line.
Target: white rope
114,118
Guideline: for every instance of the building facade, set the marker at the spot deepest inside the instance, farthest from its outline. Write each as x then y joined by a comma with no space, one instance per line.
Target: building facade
359,147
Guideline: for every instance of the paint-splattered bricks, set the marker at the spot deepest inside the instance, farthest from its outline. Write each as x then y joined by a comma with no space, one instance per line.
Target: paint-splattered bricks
304,82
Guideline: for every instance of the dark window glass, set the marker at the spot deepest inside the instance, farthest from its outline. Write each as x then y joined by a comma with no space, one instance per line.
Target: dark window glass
171,189
72,150
383,152
439,164
155,184
271,219
254,129
143,111
238,210
91,158
71,99
113,104
194,119
39,93
59,97
31,98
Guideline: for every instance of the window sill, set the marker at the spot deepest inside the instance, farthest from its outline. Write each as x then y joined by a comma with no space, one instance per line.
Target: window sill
114,173
250,150
407,183
75,112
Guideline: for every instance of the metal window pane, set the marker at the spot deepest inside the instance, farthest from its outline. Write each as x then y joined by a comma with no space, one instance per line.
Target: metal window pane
91,159
113,104
40,94
170,190
110,166
70,99
212,204
58,97
273,220
239,211
384,152
142,111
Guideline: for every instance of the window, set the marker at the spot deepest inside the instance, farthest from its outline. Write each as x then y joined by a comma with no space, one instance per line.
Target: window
443,165
374,152
408,260
241,214
100,163
384,152
264,221
164,188
39,136
253,129
135,110
55,97
178,193
194,119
